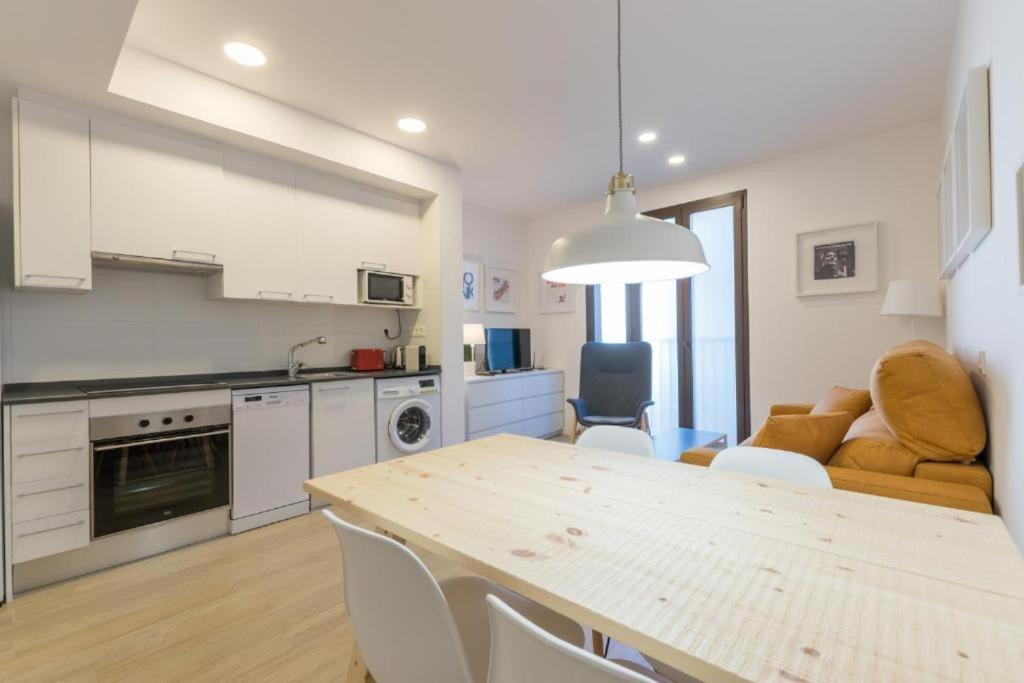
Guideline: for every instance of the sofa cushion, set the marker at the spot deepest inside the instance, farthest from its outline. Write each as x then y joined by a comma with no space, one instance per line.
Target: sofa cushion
813,435
943,493
838,399
974,474
927,400
869,445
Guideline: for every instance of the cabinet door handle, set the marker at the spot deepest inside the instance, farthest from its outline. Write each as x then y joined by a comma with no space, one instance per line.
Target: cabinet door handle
56,450
76,278
56,528
53,412
59,488
211,255
329,297
371,265
264,292
343,387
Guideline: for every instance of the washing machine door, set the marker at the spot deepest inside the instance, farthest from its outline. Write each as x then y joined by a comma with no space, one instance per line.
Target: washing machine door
410,425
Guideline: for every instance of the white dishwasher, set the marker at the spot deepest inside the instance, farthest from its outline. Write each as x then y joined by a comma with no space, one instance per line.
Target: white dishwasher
269,455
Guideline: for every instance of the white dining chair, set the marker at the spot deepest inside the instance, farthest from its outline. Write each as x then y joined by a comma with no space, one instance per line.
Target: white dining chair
520,651
774,464
621,439
409,627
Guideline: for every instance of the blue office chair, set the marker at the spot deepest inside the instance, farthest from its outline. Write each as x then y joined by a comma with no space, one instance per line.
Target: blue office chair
615,385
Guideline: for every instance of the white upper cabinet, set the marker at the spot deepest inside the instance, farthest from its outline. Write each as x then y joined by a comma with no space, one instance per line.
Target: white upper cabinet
327,260
51,198
388,231
154,195
259,231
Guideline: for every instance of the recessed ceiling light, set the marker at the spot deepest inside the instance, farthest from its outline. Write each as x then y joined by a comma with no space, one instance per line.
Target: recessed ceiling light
676,159
412,125
245,54
648,136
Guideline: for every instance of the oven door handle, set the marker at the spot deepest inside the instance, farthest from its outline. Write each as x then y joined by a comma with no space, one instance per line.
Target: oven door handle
180,437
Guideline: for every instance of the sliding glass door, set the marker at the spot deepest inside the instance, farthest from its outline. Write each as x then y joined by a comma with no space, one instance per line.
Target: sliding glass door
697,327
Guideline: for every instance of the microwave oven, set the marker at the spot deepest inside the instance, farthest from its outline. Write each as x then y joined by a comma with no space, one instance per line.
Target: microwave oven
379,287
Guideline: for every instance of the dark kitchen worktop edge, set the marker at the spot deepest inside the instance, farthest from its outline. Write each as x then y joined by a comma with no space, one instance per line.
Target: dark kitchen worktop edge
45,392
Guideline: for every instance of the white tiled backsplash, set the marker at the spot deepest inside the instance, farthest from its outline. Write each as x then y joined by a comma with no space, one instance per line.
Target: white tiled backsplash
138,324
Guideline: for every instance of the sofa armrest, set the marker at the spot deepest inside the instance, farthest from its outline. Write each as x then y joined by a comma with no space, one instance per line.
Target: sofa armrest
699,456
975,474
790,409
915,489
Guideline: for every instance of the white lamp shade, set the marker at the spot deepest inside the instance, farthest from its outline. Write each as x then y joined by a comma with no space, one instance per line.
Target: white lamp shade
473,333
913,297
625,246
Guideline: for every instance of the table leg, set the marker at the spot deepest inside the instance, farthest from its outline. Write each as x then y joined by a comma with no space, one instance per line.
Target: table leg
357,672
598,642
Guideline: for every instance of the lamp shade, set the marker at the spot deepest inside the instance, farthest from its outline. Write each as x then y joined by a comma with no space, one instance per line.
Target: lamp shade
625,246
473,333
913,297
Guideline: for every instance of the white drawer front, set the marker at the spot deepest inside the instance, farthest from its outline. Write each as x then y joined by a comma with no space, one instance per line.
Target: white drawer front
514,428
49,497
38,422
69,458
50,535
489,417
535,385
545,425
493,391
535,406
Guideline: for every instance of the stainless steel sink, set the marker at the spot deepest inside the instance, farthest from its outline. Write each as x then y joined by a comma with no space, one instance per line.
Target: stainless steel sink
322,375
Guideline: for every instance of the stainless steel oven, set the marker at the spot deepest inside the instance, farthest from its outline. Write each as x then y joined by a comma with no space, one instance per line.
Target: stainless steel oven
155,467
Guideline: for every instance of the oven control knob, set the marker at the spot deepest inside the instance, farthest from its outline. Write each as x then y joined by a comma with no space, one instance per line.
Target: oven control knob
167,420
143,423
189,418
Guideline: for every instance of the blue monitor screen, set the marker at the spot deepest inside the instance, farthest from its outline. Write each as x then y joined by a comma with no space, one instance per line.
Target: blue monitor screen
507,349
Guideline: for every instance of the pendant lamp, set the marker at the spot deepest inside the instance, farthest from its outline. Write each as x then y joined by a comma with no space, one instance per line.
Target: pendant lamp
624,246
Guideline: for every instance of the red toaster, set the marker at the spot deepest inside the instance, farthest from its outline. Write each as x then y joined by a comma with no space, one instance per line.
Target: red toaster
365,360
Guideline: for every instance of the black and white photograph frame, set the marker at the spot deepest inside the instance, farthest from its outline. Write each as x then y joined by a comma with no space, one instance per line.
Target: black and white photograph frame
556,297
842,260
471,286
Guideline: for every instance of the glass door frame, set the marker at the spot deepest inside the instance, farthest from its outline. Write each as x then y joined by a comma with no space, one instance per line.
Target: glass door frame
680,213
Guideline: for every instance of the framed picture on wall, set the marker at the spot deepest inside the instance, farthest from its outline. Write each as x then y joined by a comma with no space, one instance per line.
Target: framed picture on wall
556,297
502,291
470,287
840,260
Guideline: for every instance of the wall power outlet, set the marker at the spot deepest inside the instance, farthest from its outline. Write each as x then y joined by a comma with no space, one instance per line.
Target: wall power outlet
419,330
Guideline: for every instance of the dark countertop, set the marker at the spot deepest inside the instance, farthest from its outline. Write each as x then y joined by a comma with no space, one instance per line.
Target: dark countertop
41,392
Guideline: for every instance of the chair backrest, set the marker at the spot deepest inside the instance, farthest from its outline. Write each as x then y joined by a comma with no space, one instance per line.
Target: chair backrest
615,378
621,439
522,651
402,623
774,464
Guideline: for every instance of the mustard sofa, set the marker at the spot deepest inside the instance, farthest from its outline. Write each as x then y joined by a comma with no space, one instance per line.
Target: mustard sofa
920,439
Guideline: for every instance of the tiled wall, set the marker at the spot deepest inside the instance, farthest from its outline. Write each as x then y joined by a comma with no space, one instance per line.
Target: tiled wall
137,324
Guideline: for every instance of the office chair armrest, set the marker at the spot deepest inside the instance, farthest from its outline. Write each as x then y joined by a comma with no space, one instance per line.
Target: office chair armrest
643,408
577,405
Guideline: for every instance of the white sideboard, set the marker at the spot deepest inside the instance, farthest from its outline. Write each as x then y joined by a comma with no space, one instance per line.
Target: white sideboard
530,403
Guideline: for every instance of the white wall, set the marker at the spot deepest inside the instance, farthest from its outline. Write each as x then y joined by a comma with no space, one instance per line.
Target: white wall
985,298
799,347
496,240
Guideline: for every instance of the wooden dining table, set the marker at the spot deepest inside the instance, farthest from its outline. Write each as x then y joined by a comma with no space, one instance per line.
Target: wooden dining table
720,575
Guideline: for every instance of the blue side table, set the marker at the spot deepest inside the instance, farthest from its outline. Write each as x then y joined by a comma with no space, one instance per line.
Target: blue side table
672,443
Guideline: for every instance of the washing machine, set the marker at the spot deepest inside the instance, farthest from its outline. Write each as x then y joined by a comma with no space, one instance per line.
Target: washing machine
408,416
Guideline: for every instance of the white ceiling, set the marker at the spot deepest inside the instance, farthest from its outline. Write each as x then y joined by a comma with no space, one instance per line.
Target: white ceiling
521,95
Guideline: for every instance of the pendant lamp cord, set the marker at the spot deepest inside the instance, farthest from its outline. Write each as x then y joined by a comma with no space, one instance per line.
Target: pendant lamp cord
618,5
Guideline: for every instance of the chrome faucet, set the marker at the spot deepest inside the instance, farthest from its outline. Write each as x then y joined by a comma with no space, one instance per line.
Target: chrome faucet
294,365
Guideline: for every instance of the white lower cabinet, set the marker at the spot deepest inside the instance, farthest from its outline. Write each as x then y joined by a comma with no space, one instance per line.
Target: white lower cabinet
49,478
528,403
52,238
344,430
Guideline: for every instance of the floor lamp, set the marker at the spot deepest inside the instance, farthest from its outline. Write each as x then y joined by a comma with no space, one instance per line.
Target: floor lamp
913,299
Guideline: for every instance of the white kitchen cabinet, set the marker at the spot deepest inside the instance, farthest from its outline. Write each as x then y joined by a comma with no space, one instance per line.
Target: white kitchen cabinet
344,433
388,232
529,403
259,231
326,237
51,198
154,195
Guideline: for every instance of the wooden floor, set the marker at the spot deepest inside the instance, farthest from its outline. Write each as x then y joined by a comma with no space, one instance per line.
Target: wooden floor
266,605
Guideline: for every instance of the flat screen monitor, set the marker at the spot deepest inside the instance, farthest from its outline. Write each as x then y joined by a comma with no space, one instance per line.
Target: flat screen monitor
507,349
